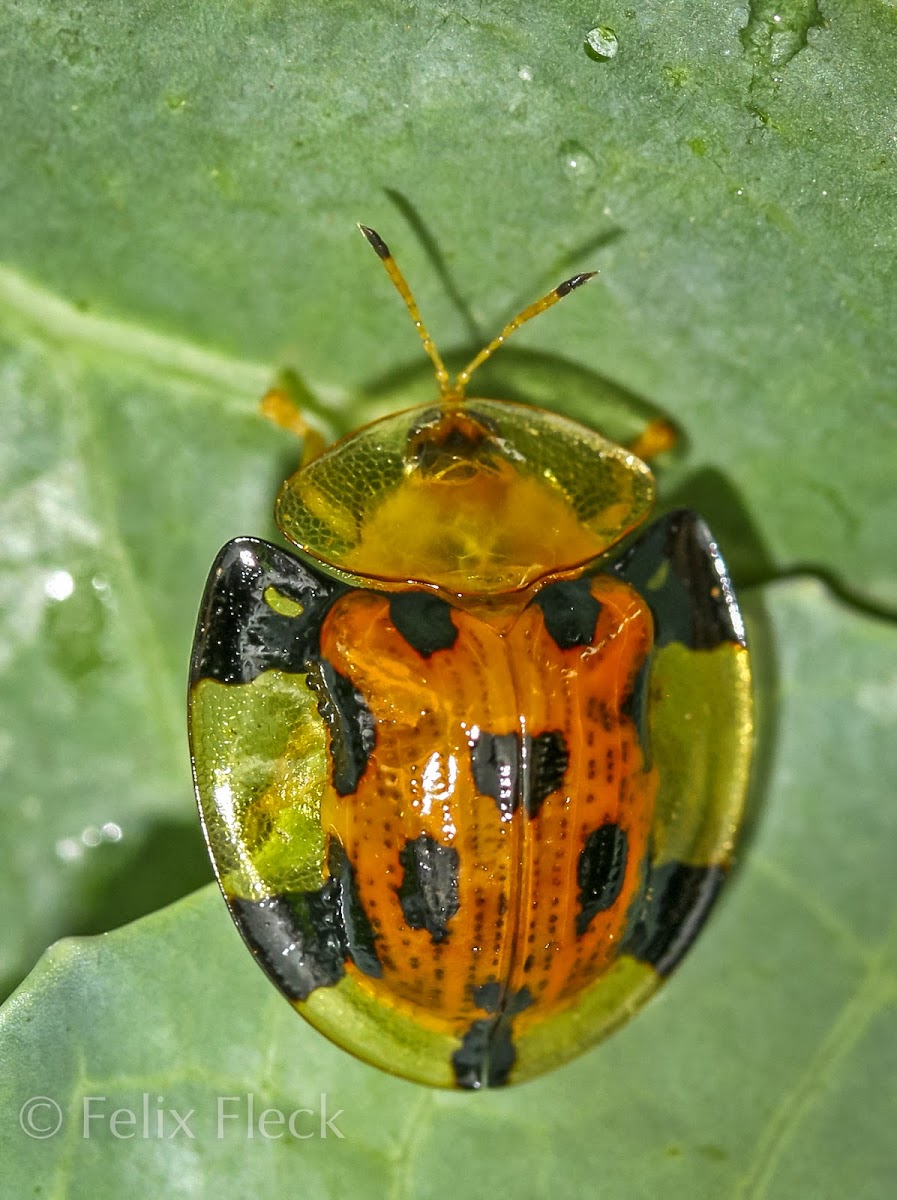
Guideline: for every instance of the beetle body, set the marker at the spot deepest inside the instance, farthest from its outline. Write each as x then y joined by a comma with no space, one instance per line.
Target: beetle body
472,767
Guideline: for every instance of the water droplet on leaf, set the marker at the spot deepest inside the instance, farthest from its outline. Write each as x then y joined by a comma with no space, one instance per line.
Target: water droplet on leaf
59,585
578,165
602,41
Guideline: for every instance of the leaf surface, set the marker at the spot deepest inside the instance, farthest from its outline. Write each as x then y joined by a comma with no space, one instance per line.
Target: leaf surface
179,187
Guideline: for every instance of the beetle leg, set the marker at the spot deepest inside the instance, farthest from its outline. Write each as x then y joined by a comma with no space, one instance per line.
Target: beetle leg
283,405
658,436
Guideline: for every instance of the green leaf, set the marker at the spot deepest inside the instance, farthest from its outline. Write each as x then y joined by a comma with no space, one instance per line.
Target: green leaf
766,1068
180,184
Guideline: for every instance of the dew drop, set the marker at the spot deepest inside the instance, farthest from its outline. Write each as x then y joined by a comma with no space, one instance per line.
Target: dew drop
578,165
59,585
602,41
68,849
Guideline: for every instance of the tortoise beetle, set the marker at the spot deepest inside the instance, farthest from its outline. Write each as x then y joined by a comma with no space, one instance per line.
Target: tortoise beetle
471,768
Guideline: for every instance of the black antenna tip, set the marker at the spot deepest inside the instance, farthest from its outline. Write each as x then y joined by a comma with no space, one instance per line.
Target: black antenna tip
570,284
376,241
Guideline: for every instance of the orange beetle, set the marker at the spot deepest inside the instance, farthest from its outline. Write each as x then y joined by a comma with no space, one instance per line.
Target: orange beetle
471,768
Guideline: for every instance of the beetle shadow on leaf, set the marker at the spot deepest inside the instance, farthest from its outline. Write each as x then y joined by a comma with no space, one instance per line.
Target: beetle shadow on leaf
431,249
122,881
572,259
167,862
139,875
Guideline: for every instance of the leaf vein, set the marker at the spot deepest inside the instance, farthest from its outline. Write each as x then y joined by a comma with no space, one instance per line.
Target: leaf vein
876,988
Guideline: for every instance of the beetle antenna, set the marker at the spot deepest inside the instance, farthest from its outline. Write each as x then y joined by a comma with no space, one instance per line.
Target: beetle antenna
398,279
532,310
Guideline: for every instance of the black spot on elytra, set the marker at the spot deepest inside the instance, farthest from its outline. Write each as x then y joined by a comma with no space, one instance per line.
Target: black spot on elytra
495,761
570,612
487,996
674,906
296,938
428,892
600,872
351,724
359,933
484,1058
548,761
303,939
238,634
692,601
486,1054
424,621
513,770
635,706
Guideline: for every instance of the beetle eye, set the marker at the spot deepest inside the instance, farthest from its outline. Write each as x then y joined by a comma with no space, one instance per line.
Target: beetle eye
455,444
